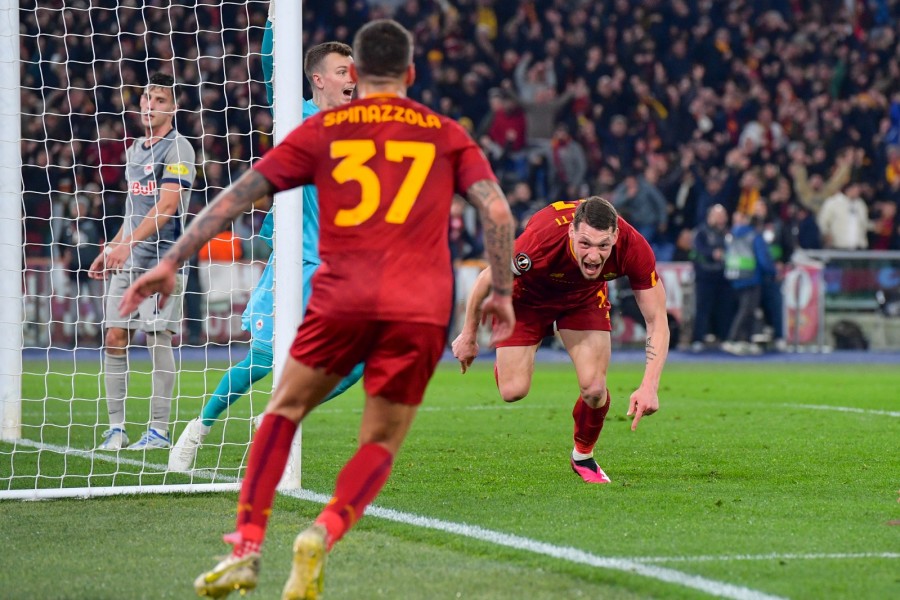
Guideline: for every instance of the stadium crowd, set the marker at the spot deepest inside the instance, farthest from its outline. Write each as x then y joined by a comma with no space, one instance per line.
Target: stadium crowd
787,111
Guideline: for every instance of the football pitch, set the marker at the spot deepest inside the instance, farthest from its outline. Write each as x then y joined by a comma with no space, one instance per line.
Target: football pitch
755,480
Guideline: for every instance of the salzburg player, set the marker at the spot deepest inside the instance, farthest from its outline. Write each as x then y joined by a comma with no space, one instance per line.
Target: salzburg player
563,260
386,169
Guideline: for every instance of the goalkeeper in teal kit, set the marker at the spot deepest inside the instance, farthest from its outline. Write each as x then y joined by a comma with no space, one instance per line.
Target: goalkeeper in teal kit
327,67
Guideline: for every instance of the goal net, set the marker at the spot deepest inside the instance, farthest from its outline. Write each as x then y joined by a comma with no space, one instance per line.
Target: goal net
81,67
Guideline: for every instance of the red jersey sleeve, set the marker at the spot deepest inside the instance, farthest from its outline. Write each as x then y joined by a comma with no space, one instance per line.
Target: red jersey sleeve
290,164
541,236
527,251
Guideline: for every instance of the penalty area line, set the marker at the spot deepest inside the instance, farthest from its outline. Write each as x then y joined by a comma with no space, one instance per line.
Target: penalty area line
566,553
846,409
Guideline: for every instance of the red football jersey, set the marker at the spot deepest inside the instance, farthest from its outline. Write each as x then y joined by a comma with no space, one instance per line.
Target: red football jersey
547,273
386,169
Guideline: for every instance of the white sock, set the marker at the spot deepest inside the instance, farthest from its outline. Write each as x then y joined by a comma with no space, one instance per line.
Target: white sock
576,455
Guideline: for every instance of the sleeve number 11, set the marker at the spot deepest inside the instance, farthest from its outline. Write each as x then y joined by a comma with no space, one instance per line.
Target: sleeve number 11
355,154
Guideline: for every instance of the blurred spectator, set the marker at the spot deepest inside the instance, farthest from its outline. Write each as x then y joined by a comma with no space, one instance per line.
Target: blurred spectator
712,293
465,241
522,205
568,166
763,133
79,243
749,190
779,244
844,220
472,99
534,79
678,186
505,122
885,233
618,144
813,189
747,263
642,205
804,231
684,246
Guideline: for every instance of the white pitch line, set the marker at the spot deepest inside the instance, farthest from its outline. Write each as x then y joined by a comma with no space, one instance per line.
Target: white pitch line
567,553
847,409
772,556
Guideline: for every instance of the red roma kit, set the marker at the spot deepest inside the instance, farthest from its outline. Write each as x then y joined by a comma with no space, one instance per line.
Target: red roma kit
549,286
386,169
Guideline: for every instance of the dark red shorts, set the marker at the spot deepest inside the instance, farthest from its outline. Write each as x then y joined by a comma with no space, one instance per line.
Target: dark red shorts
533,324
400,357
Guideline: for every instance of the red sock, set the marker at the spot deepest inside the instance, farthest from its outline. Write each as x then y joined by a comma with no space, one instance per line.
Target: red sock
357,485
588,424
268,456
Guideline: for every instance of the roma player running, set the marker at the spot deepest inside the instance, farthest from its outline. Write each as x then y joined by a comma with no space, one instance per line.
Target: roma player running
563,261
386,169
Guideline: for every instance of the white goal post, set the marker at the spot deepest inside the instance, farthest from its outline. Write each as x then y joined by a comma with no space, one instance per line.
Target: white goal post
65,125
10,226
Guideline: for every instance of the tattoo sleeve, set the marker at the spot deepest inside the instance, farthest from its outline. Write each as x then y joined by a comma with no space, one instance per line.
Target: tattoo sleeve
231,202
499,230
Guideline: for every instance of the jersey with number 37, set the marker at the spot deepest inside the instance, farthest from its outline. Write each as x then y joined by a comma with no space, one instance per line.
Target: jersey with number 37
386,169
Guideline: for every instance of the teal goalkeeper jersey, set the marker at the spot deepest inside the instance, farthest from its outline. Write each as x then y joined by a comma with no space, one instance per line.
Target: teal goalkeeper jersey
258,317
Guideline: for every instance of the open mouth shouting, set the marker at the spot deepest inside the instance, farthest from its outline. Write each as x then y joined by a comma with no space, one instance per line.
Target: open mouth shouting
591,269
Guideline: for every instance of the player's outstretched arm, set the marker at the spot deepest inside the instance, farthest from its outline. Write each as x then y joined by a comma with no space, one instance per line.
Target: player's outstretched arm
231,202
645,400
465,346
499,233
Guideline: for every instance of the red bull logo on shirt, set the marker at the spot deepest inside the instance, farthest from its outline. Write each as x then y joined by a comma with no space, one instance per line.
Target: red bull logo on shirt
143,190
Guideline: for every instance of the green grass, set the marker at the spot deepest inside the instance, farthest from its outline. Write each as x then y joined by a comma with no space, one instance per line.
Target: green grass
731,467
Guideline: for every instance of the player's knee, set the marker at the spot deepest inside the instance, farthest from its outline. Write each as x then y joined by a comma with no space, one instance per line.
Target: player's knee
116,341
594,395
513,392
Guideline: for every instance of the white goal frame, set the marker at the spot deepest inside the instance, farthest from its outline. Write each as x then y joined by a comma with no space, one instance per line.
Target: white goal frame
288,97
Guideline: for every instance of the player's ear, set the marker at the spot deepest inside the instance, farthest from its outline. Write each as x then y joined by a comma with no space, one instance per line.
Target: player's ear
354,75
410,75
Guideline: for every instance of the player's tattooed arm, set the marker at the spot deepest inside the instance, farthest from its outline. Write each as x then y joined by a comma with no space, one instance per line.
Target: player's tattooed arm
650,349
499,232
225,208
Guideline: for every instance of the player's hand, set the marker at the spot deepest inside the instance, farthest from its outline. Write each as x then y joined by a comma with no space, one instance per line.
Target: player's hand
160,279
465,349
98,268
117,258
642,403
499,310
110,261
